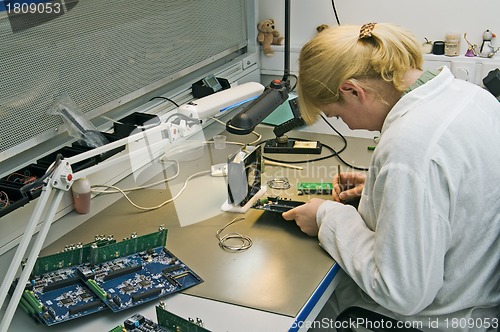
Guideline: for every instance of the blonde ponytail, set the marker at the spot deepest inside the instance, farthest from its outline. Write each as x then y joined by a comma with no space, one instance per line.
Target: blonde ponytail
376,50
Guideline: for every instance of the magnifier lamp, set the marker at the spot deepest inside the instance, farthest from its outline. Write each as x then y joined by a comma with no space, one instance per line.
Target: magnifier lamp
273,96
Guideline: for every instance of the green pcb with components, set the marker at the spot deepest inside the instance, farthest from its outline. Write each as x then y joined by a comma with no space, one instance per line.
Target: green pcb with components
73,257
172,322
128,247
314,188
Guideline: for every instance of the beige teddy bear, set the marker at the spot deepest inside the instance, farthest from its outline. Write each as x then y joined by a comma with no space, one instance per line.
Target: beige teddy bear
268,36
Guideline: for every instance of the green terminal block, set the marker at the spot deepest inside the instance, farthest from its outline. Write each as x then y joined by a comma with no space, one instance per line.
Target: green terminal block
26,307
32,301
97,289
314,188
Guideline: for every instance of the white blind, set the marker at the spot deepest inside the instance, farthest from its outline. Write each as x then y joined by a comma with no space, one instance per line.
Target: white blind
99,51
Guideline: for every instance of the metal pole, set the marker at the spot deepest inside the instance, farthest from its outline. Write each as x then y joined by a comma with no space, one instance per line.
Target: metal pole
287,45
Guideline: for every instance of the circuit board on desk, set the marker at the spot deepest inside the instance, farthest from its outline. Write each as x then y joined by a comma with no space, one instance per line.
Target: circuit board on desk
314,188
59,296
167,322
102,276
126,282
276,204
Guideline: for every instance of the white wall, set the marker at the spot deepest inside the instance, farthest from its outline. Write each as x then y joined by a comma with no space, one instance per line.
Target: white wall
425,18
430,19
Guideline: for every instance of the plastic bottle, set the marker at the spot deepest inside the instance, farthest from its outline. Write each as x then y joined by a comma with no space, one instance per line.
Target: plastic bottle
81,195
452,44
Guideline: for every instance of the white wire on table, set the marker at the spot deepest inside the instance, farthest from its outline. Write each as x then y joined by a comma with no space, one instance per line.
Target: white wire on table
245,241
124,191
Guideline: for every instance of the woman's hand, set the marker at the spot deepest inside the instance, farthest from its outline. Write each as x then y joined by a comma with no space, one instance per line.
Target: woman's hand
305,216
349,187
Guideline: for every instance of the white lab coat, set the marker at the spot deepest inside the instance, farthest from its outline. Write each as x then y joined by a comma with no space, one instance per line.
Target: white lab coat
424,243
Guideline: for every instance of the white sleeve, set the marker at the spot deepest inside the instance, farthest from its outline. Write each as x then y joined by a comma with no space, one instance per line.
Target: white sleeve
400,263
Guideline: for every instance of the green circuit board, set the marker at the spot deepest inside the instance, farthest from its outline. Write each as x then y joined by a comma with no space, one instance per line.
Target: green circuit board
314,188
128,246
103,275
72,256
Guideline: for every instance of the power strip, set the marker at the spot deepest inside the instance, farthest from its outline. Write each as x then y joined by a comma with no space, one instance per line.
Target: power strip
182,130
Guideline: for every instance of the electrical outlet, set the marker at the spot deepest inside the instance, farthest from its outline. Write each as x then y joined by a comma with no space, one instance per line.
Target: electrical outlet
464,70
174,132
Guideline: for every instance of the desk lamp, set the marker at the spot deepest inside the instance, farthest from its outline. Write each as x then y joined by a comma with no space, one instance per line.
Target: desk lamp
273,96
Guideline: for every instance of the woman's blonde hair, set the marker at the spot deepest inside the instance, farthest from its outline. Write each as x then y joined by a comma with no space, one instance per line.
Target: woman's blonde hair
338,54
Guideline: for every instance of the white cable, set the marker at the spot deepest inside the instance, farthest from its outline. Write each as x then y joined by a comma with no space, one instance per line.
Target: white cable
137,188
162,204
234,143
245,241
115,190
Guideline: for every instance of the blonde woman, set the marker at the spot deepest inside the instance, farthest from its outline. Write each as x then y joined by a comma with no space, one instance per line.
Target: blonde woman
423,244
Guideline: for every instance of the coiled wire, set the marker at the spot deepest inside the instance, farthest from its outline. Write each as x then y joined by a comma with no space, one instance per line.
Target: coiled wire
245,241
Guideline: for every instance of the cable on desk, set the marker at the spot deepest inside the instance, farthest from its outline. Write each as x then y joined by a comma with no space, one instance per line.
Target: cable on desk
118,190
230,143
333,154
138,188
245,241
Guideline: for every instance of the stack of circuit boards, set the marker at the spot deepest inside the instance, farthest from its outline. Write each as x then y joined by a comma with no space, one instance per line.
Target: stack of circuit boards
167,322
104,275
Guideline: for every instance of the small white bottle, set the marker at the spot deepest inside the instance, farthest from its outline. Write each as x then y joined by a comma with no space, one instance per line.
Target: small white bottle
81,195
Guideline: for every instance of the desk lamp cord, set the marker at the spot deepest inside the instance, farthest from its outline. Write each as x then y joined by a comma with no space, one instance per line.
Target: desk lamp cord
333,154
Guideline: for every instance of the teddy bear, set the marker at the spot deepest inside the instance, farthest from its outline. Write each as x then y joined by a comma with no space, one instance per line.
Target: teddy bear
268,36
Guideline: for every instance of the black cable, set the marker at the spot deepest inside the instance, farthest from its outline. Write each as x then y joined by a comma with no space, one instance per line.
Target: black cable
335,12
40,181
170,100
345,145
295,84
333,154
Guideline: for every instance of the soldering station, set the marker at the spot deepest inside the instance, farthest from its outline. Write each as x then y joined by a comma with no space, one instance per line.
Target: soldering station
147,152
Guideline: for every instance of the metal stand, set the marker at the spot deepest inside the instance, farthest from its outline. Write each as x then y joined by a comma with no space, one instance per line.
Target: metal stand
61,180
